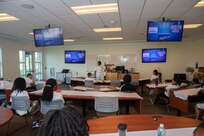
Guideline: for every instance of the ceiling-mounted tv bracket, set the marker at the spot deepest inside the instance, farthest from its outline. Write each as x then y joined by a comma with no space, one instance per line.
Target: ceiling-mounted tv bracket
48,26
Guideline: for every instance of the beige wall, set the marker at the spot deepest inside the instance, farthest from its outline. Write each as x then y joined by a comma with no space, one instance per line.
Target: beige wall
179,55
10,56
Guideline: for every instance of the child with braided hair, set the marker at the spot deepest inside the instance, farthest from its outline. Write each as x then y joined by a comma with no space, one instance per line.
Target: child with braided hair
65,122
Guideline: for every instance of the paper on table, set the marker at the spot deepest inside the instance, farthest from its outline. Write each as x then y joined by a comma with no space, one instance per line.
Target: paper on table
183,94
169,132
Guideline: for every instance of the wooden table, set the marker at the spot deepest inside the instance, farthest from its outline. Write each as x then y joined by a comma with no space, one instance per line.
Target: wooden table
138,122
183,105
5,116
89,96
160,88
103,88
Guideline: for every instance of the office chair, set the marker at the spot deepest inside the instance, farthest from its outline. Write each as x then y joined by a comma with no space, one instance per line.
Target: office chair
115,83
89,82
47,106
20,103
105,106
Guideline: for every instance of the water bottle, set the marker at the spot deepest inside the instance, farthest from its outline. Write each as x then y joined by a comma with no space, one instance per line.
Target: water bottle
122,129
156,82
161,130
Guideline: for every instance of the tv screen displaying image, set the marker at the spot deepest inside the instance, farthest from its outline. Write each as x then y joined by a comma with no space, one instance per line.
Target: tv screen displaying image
75,56
166,31
154,55
48,37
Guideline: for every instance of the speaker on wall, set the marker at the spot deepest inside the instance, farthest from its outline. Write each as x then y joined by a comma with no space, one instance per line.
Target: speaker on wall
196,66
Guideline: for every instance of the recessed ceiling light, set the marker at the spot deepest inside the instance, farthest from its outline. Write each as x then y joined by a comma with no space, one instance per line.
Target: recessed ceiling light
6,17
68,40
91,9
27,6
113,38
114,29
189,26
200,4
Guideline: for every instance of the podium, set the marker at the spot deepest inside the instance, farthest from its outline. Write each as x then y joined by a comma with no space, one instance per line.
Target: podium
65,71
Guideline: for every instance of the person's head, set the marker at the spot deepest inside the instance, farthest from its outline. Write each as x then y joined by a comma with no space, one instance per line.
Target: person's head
19,84
155,72
199,131
174,81
89,74
65,122
195,81
50,87
127,79
29,75
99,63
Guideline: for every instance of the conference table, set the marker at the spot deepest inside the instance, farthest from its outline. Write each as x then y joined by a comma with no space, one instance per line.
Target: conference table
102,88
140,124
5,116
160,88
180,99
85,96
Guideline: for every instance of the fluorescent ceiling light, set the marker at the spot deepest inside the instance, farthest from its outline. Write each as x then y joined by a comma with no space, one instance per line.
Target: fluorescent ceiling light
189,26
100,30
91,9
6,17
68,40
113,38
200,4
31,33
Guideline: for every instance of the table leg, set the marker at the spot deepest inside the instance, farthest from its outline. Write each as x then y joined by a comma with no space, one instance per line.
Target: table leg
127,107
178,113
84,108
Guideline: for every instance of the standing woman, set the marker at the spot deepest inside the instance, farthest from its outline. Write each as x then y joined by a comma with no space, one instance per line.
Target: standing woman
99,71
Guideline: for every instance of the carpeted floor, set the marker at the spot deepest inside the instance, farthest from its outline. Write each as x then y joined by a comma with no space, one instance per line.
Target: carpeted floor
147,108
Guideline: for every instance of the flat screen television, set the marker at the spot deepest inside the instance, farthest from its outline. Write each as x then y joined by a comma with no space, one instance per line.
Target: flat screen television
165,31
154,55
75,56
48,37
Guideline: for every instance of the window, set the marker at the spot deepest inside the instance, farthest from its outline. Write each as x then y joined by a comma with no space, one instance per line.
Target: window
38,65
31,62
1,66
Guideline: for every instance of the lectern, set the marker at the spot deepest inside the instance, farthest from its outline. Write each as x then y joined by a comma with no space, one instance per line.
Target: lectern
65,71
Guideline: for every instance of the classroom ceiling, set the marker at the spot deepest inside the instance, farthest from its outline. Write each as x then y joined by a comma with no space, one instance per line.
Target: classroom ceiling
132,18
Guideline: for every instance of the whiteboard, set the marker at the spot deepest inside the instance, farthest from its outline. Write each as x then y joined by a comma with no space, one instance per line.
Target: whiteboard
128,60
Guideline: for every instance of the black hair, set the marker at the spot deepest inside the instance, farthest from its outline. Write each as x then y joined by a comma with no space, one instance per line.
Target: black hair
48,90
65,122
19,84
195,81
200,126
29,74
155,72
127,79
99,62
89,74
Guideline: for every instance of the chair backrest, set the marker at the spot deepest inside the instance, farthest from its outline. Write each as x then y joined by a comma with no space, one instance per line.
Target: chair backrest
115,83
47,106
89,82
106,104
135,82
21,103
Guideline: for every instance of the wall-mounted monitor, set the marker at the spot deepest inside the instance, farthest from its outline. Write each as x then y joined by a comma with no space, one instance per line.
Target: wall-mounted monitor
75,56
154,55
165,31
48,37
